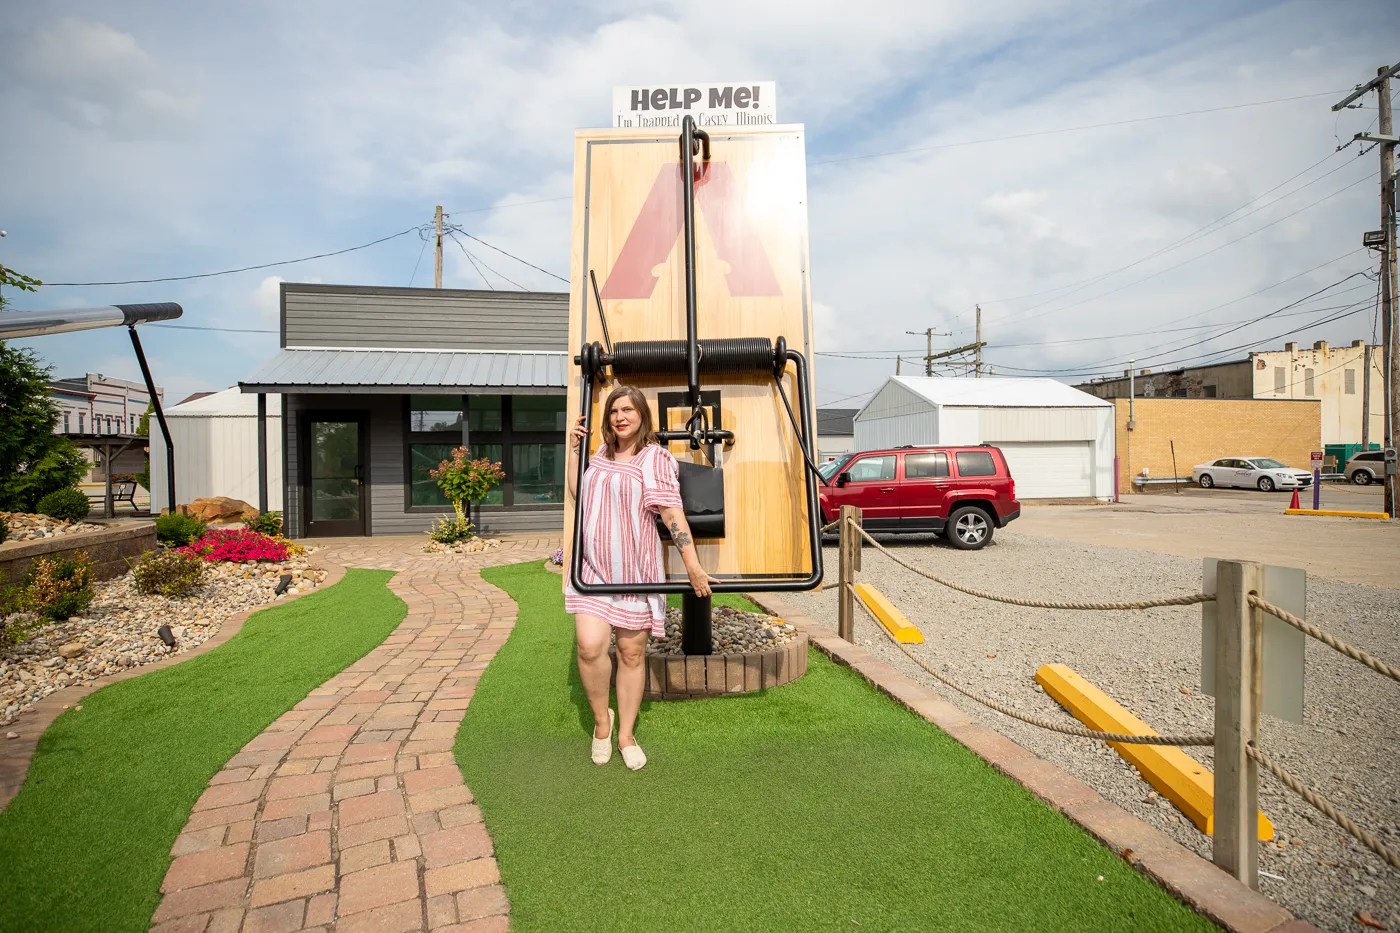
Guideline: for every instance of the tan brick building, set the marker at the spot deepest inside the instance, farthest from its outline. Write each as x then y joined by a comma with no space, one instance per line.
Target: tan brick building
1335,376
1287,430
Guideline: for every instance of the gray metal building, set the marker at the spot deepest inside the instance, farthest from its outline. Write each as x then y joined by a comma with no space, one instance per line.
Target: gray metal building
379,384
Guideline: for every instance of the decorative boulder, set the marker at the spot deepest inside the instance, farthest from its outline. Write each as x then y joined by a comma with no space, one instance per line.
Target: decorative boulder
218,510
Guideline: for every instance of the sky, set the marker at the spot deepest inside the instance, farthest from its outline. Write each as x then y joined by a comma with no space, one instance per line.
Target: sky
1109,181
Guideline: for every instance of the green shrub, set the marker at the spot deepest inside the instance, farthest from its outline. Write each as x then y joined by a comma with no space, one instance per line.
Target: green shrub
56,588
4,530
268,523
168,573
178,530
66,505
451,530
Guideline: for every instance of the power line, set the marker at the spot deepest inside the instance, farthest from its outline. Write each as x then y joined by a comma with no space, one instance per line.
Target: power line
266,265
1155,330
1023,316
222,330
421,250
1198,359
1197,234
1230,328
511,255
474,260
1069,129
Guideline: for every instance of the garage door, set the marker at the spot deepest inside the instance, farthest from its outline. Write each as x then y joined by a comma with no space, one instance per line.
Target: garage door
1050,469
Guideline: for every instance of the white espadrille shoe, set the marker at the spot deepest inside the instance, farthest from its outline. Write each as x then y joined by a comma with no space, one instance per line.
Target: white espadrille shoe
634,757
602,748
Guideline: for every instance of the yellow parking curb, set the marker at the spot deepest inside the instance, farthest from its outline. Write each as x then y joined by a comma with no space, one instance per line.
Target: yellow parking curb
1177,776
1340,513
890,617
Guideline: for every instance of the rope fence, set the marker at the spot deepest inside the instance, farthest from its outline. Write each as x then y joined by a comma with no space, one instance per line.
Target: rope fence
1187,600
1323,804
1311,796
1062,728
1327,638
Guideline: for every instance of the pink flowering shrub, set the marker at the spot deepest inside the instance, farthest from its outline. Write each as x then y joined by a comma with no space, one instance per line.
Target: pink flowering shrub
236,545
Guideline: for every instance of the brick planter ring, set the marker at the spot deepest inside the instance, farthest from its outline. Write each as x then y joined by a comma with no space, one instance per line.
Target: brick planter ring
694,677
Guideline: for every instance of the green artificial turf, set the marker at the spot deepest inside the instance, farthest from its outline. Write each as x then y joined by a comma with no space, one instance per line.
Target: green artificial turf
820,805
85,845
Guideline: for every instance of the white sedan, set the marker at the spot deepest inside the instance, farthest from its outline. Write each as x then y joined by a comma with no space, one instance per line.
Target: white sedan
1250,472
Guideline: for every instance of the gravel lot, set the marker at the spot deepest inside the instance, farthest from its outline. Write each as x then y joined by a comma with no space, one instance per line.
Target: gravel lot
1149,661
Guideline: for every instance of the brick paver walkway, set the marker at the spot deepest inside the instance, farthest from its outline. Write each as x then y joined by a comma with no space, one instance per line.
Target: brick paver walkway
348,814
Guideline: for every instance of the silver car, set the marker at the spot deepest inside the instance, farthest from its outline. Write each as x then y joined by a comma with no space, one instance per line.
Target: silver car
1366,468
1250,472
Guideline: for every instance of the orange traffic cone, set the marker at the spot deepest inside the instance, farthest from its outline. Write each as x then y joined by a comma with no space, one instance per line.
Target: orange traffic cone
1294,504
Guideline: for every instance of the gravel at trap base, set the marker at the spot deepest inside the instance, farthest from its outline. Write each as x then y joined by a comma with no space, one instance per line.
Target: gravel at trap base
1149,661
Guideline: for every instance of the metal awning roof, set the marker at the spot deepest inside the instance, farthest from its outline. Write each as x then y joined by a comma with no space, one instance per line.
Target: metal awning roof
404,371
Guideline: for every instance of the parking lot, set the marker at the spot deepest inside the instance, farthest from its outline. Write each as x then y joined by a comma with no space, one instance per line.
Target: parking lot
1152,545
1243,524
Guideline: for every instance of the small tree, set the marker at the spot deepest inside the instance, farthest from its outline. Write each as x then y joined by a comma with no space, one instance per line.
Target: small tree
34,461
462,479
143,428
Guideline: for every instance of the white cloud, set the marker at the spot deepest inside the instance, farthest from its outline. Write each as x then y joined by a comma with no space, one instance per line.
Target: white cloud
267,298
98,77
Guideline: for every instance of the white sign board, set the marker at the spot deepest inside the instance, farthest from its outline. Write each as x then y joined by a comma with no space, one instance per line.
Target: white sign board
720,106
1284,645
1316,460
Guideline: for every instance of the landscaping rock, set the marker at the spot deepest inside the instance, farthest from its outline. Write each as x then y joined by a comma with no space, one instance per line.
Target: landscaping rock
470,546
24,526
733,631
118,631
217,510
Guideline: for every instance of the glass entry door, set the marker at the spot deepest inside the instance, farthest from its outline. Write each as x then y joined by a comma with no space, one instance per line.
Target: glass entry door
333,488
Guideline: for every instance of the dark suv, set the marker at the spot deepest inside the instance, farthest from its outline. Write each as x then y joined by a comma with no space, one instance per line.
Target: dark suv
962,493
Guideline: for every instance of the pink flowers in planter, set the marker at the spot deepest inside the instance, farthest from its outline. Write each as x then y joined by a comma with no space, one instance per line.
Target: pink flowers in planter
237,545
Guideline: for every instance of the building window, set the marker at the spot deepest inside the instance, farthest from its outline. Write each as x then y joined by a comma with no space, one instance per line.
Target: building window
1280,379
65,422
538,473
1308,383
430,414
537,413
80,422
485,413
423,489
133,424
1208,391
523,433
1350,378
1178,393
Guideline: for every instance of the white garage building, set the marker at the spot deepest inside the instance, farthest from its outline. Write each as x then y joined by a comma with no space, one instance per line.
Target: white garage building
1058,441
216,449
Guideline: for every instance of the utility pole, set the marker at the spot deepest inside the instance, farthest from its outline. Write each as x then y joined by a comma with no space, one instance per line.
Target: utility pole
897,361
437,267
1386,139
1392,356
977,373
928,357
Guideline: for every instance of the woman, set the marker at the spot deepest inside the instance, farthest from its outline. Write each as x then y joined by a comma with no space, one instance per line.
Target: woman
632,477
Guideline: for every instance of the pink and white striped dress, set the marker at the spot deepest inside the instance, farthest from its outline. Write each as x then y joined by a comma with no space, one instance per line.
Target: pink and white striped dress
620,541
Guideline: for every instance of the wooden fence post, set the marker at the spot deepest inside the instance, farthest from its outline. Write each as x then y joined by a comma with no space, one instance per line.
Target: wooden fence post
1238,676
849,563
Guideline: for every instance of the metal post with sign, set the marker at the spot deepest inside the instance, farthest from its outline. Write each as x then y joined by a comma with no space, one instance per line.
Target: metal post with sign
1316,464
1251,663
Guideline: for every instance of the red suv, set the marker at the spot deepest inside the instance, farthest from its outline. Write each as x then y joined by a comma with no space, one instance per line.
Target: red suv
961,493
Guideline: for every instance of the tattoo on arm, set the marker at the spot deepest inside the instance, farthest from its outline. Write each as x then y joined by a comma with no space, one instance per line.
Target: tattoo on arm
679,538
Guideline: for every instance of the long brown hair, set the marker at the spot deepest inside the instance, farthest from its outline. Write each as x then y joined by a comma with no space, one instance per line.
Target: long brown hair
646,434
